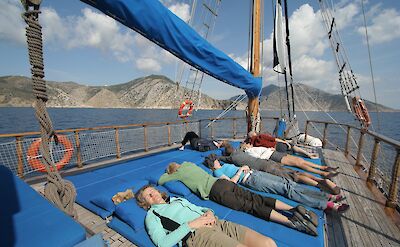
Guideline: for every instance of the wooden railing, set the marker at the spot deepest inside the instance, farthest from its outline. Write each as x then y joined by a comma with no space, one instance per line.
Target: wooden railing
229,130
224,128
392,198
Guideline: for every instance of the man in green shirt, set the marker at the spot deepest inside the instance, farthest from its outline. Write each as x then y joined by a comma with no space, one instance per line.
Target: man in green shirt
233,196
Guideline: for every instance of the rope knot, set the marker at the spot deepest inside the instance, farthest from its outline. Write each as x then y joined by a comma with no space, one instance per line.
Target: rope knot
53,134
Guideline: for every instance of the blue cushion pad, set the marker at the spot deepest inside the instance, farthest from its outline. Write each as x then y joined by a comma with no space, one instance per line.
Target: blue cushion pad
27,219
154,166
104,201
130,212
178,188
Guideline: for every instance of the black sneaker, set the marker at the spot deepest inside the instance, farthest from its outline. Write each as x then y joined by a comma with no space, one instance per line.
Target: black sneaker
302,225
308,215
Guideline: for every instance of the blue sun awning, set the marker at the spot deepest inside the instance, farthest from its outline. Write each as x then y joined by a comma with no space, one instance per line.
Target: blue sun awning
155,22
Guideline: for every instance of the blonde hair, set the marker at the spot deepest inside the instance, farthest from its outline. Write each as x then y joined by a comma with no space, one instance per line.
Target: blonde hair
243,146
140,198
172,167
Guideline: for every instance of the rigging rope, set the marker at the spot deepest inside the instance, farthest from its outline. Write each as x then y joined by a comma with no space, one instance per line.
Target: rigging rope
195,77
239,99
327,113
60,192
370,65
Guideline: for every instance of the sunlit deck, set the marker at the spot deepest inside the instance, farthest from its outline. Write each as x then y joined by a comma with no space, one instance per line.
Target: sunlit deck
365,224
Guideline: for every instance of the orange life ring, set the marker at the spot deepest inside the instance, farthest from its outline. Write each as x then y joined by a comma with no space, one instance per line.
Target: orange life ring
361,111
189,112
33,154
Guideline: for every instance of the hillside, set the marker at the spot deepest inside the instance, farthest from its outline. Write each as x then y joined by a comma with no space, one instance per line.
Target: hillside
147,92
156,91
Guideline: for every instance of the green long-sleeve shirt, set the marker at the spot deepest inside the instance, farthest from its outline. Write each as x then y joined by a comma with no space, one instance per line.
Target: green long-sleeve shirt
195,178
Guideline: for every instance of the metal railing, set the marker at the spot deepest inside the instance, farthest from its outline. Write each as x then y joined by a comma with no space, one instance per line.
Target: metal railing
114,142
392,162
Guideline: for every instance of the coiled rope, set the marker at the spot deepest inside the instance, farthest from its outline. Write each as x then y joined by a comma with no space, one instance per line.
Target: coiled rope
57,190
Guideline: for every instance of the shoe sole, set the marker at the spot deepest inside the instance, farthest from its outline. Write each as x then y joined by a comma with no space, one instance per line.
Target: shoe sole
310,216
312,230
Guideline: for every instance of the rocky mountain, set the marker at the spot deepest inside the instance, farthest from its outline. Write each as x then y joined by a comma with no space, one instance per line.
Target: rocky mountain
153,91
156,91
307,99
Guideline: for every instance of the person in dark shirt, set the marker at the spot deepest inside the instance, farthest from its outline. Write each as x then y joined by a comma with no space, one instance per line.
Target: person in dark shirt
199,144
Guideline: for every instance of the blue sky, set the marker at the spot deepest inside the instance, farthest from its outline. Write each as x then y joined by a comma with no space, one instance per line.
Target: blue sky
84,46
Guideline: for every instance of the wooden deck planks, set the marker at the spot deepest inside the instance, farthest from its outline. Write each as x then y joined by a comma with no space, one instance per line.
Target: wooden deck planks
365,224
97,225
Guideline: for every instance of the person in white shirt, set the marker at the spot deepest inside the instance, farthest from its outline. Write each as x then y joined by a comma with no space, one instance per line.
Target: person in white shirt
289,160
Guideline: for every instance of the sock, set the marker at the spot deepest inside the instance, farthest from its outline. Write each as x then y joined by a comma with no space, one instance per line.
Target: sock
330,205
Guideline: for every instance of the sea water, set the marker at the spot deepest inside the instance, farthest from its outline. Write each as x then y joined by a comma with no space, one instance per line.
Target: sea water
18,120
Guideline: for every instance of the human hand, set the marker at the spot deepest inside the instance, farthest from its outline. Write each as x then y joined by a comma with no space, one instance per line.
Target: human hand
245,169
209,213
202,221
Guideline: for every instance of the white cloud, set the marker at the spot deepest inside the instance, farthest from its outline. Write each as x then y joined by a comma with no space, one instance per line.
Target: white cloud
242,61
149,50
12,26
54,30
307,33
100,31
345,15
182,10
148,64
309,44
384,27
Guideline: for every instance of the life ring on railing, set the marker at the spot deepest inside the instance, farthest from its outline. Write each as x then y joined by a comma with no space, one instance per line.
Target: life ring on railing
189,112
361,111
33,154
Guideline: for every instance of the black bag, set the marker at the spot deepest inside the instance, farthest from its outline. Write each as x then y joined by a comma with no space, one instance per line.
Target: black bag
171,225
204,145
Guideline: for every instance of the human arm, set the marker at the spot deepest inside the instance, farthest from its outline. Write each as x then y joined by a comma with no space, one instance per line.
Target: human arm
167,177
235,178
283,141
225,159
159,235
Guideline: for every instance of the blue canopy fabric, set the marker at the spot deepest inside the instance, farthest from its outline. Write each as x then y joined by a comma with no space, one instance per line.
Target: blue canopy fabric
155,22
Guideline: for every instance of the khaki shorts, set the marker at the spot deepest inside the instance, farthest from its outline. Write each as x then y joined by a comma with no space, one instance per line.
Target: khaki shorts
224,233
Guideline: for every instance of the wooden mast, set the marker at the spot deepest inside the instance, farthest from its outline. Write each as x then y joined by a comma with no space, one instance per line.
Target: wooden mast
252,114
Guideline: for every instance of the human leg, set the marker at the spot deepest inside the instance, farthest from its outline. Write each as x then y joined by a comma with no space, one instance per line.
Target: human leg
223,233
303,152
305,165
269,183
233,196
188,136
253,238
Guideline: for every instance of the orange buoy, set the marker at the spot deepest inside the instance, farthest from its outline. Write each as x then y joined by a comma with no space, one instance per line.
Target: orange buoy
189,112
33,154
361,111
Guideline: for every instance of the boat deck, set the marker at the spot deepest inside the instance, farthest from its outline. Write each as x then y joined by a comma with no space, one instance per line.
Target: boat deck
365,224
